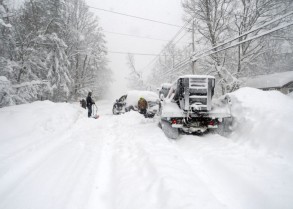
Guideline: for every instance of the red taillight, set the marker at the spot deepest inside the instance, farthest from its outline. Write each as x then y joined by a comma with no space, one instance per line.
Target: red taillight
212,123
174,121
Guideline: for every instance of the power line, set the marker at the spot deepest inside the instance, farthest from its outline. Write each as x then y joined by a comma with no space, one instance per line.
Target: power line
169,71
136,36
181,37
142,37
176,35
202,54
146,19
185,62
250,31
249,39
142,54
169,43
135,53
137,17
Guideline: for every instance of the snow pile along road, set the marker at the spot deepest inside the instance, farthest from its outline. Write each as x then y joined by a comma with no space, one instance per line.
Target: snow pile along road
53,157
264,120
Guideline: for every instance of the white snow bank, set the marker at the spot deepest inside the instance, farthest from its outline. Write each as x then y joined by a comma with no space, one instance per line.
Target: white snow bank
263,120
53,157
38,117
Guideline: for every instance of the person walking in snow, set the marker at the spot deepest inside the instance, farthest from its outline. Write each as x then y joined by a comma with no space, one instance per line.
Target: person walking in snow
142,106
89,102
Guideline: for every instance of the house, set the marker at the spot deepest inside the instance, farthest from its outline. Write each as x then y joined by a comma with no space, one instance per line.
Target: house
282,82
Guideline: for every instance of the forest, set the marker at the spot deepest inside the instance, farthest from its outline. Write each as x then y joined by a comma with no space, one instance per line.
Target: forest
51,50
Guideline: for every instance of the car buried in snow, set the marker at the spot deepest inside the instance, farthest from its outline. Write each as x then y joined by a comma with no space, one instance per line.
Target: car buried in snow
129,102
188,107
164,90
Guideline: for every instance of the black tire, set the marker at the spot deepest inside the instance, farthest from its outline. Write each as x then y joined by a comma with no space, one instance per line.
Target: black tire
115,111
169,131
149,115
160,124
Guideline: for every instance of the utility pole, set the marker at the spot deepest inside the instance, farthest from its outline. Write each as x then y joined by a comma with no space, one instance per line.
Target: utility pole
193,49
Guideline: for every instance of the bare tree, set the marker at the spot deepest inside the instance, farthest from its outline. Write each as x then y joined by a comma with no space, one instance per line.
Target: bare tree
135,80
165,68
251,14
218,20
212,18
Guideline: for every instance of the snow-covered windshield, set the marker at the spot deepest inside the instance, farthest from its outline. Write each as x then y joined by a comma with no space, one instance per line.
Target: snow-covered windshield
135,95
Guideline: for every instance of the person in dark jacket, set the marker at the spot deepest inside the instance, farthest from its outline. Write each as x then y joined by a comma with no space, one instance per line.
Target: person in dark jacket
89,102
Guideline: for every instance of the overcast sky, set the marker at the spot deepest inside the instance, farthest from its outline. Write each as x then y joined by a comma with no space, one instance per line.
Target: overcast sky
169,11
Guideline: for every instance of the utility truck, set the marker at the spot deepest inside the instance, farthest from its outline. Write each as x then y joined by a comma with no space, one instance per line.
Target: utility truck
189,107
129,102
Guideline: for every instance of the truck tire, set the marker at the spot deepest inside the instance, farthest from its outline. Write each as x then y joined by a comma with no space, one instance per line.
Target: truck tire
169,131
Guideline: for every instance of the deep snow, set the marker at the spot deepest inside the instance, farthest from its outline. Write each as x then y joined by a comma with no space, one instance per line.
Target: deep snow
52,156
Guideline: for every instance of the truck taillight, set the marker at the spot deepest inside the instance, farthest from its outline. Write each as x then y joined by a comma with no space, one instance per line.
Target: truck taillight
174,121
212,123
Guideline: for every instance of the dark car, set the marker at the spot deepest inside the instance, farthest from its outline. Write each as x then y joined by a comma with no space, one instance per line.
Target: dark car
119,105
129,102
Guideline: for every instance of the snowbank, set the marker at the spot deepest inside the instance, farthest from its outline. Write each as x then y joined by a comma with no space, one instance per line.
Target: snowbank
36,118
53,157
263,120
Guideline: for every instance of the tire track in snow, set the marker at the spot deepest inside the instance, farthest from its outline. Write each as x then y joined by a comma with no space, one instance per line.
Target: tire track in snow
236,175
17,143
72,175
143,162
23,164
126,162
103,190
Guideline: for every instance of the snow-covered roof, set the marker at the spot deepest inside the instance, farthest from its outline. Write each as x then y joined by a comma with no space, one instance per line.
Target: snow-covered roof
269,81
166,85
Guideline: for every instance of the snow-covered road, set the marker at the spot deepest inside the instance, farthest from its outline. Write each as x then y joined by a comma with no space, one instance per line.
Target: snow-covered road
53,157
